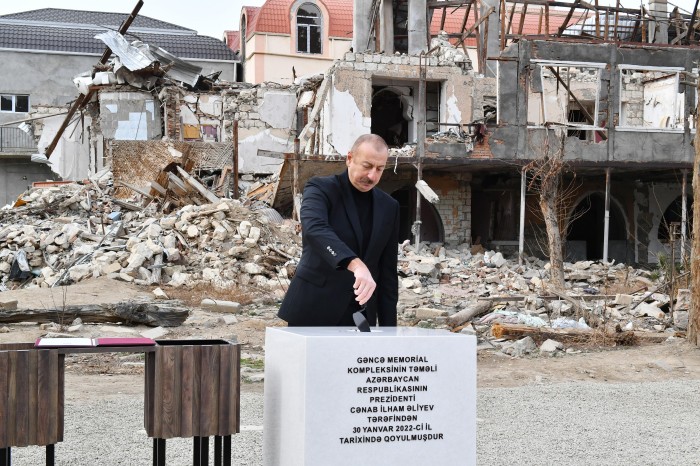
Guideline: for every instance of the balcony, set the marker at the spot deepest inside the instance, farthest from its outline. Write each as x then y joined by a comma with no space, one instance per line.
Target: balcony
16,141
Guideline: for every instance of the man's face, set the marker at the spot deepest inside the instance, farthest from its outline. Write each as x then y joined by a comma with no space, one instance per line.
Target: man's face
365,166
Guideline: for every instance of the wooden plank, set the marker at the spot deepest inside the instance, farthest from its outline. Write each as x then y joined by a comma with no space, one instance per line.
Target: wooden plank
236,382
168,387
187,396
4,406
155,186
158,389
43,411
135,189
176,391
565,24
506,29
224,390
464,25
60,361
209,384
208,195
20,397
149,394
32,395
197,389
176,185
521,24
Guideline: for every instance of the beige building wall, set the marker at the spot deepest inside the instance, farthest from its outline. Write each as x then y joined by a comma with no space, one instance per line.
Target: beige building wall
272,57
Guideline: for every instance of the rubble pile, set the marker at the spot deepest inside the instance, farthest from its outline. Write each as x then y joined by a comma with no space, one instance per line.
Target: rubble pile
439,285
59,235
64,234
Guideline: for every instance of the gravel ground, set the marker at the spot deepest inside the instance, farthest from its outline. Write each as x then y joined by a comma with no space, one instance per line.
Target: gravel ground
583,423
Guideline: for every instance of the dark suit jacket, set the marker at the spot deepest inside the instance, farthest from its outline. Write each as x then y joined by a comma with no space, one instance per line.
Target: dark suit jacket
321,290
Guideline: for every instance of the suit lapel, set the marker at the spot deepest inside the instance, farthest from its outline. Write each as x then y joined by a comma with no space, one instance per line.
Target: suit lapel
351,209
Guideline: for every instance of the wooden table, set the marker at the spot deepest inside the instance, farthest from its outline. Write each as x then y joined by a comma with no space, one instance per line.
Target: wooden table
192,389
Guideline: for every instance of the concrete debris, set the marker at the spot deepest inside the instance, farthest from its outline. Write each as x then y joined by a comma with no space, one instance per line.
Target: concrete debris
551,346
520,347
217,305
481,288
72,232
67,234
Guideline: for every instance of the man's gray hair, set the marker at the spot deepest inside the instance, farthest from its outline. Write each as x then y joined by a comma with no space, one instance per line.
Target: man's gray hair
377,143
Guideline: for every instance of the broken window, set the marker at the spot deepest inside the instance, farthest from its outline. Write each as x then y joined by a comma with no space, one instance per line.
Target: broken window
14,103
651,97
394,107
566,94
308,29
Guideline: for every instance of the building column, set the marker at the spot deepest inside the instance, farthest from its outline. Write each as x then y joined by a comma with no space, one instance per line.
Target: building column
360,25
658,30
417,26
386,21
606,222
521,236
492,42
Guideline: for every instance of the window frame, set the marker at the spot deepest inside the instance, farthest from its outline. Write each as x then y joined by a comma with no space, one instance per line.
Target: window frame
14,103
308,28
679,125
569,124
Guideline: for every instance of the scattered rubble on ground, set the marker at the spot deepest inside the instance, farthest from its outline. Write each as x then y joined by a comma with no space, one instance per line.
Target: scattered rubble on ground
63,234
475,291
60,235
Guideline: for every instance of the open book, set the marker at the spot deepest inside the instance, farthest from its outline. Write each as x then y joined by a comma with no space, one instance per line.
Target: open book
89,342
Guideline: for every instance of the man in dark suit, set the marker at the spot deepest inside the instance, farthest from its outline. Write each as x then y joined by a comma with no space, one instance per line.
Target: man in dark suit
350,241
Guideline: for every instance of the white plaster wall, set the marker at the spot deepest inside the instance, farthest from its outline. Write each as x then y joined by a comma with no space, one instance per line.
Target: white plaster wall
271,140
71,157
347,122
452,112
659,99
278,109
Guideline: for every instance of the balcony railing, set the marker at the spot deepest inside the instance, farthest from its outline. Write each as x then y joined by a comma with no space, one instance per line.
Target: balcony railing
16,140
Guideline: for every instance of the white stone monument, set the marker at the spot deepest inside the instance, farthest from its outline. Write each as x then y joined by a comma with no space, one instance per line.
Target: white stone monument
335,396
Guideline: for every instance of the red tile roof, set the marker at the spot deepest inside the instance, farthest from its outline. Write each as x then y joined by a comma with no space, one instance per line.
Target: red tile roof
273,17
252,13
233,40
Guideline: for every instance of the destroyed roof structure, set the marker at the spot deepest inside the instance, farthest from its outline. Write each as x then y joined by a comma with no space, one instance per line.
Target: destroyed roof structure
44,49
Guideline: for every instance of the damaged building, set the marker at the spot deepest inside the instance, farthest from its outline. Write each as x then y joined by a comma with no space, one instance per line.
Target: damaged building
467,97
42,51
611,89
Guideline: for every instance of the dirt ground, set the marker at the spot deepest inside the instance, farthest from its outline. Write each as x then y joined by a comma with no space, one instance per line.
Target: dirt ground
651,362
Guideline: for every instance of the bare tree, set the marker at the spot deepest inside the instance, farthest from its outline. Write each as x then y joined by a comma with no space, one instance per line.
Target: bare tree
694,315
546,172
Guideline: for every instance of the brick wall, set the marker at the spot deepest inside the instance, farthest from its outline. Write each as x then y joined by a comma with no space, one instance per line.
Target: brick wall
455,207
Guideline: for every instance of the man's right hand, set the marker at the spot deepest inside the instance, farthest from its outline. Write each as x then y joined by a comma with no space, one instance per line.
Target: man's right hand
364,283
